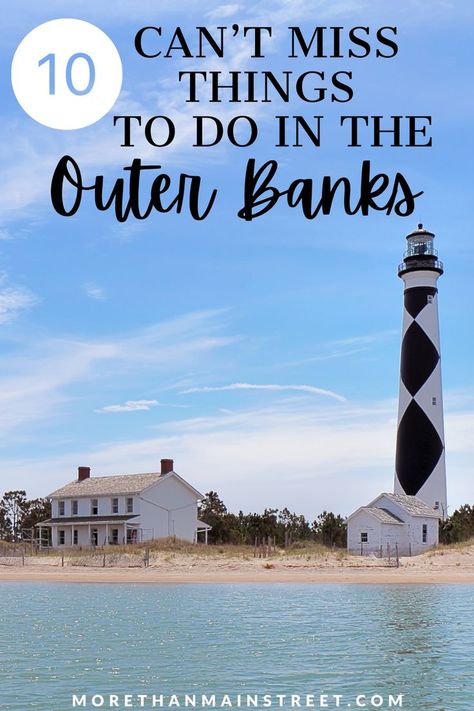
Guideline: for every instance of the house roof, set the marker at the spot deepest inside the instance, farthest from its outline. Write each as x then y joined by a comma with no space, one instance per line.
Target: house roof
103,485
411,504
124,484
382,515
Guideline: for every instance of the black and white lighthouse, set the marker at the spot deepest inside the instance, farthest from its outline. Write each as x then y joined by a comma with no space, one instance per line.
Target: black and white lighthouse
420,464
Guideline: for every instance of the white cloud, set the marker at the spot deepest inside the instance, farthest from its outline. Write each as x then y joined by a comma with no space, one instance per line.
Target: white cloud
345,347
267,386
14,300
223,11
94,292
298,454
37,382
130,406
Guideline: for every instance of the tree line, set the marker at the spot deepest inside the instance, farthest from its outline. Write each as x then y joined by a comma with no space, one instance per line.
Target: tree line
282,525
328,528
459,526
18,514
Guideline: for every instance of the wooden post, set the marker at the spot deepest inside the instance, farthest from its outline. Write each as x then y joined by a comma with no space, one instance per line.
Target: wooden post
103,561
396,551
62,559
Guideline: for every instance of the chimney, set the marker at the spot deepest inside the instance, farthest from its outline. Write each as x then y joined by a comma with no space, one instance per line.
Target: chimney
83,473
166,466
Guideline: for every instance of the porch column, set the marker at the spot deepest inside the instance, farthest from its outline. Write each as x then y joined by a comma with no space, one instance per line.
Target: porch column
106,534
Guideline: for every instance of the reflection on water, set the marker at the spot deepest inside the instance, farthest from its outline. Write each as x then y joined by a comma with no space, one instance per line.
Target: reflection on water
57,639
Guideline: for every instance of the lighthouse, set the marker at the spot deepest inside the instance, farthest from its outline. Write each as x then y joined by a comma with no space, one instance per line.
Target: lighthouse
420,463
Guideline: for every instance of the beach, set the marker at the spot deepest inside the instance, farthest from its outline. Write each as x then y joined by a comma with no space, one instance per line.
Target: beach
444,565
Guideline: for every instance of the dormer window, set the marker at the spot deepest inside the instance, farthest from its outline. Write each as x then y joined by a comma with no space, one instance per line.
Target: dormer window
61,508
94,507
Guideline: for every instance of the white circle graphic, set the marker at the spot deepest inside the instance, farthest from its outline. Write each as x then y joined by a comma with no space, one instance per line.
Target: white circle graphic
66,74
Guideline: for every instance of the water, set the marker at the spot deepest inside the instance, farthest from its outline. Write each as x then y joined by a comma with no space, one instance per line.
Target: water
58,639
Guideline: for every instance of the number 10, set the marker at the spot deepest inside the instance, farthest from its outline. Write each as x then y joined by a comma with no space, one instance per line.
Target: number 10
51,58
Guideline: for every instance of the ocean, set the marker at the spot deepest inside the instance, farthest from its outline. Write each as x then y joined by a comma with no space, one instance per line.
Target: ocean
65,646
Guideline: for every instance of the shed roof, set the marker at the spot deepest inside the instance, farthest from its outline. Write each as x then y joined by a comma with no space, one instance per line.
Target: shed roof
383,515
411,504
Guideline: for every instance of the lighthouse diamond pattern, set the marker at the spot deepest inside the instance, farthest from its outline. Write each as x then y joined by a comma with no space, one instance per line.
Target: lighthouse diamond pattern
416,371
420,464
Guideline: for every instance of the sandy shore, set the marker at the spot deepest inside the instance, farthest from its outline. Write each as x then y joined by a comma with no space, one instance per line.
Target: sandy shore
442,566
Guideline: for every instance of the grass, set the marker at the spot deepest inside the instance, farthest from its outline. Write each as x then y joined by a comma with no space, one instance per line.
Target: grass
174,547
443,548
309,549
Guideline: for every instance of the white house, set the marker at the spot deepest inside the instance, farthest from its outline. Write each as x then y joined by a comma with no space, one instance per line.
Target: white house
124,509
393,522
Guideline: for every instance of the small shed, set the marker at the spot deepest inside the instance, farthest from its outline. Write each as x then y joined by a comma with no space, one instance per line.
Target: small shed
393,522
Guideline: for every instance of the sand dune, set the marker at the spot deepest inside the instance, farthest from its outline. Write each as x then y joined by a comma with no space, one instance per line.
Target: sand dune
450,565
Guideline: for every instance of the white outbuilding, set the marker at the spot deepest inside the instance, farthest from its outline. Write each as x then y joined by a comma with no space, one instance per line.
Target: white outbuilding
393,523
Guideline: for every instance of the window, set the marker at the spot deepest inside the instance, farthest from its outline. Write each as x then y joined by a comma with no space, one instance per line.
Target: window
61,537
436,506
430,299
115,536
424,533
75,537
115,508
74,508
61,508
433,401
130,505
364,537
94,536
94,507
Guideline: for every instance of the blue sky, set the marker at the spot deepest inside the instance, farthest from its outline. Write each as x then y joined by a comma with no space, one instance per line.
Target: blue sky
123,344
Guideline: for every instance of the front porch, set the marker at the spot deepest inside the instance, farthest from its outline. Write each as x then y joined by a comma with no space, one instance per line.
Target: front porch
93,531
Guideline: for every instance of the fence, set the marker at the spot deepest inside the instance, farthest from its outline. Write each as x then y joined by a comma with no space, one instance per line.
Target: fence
94,558
389,554
264,547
